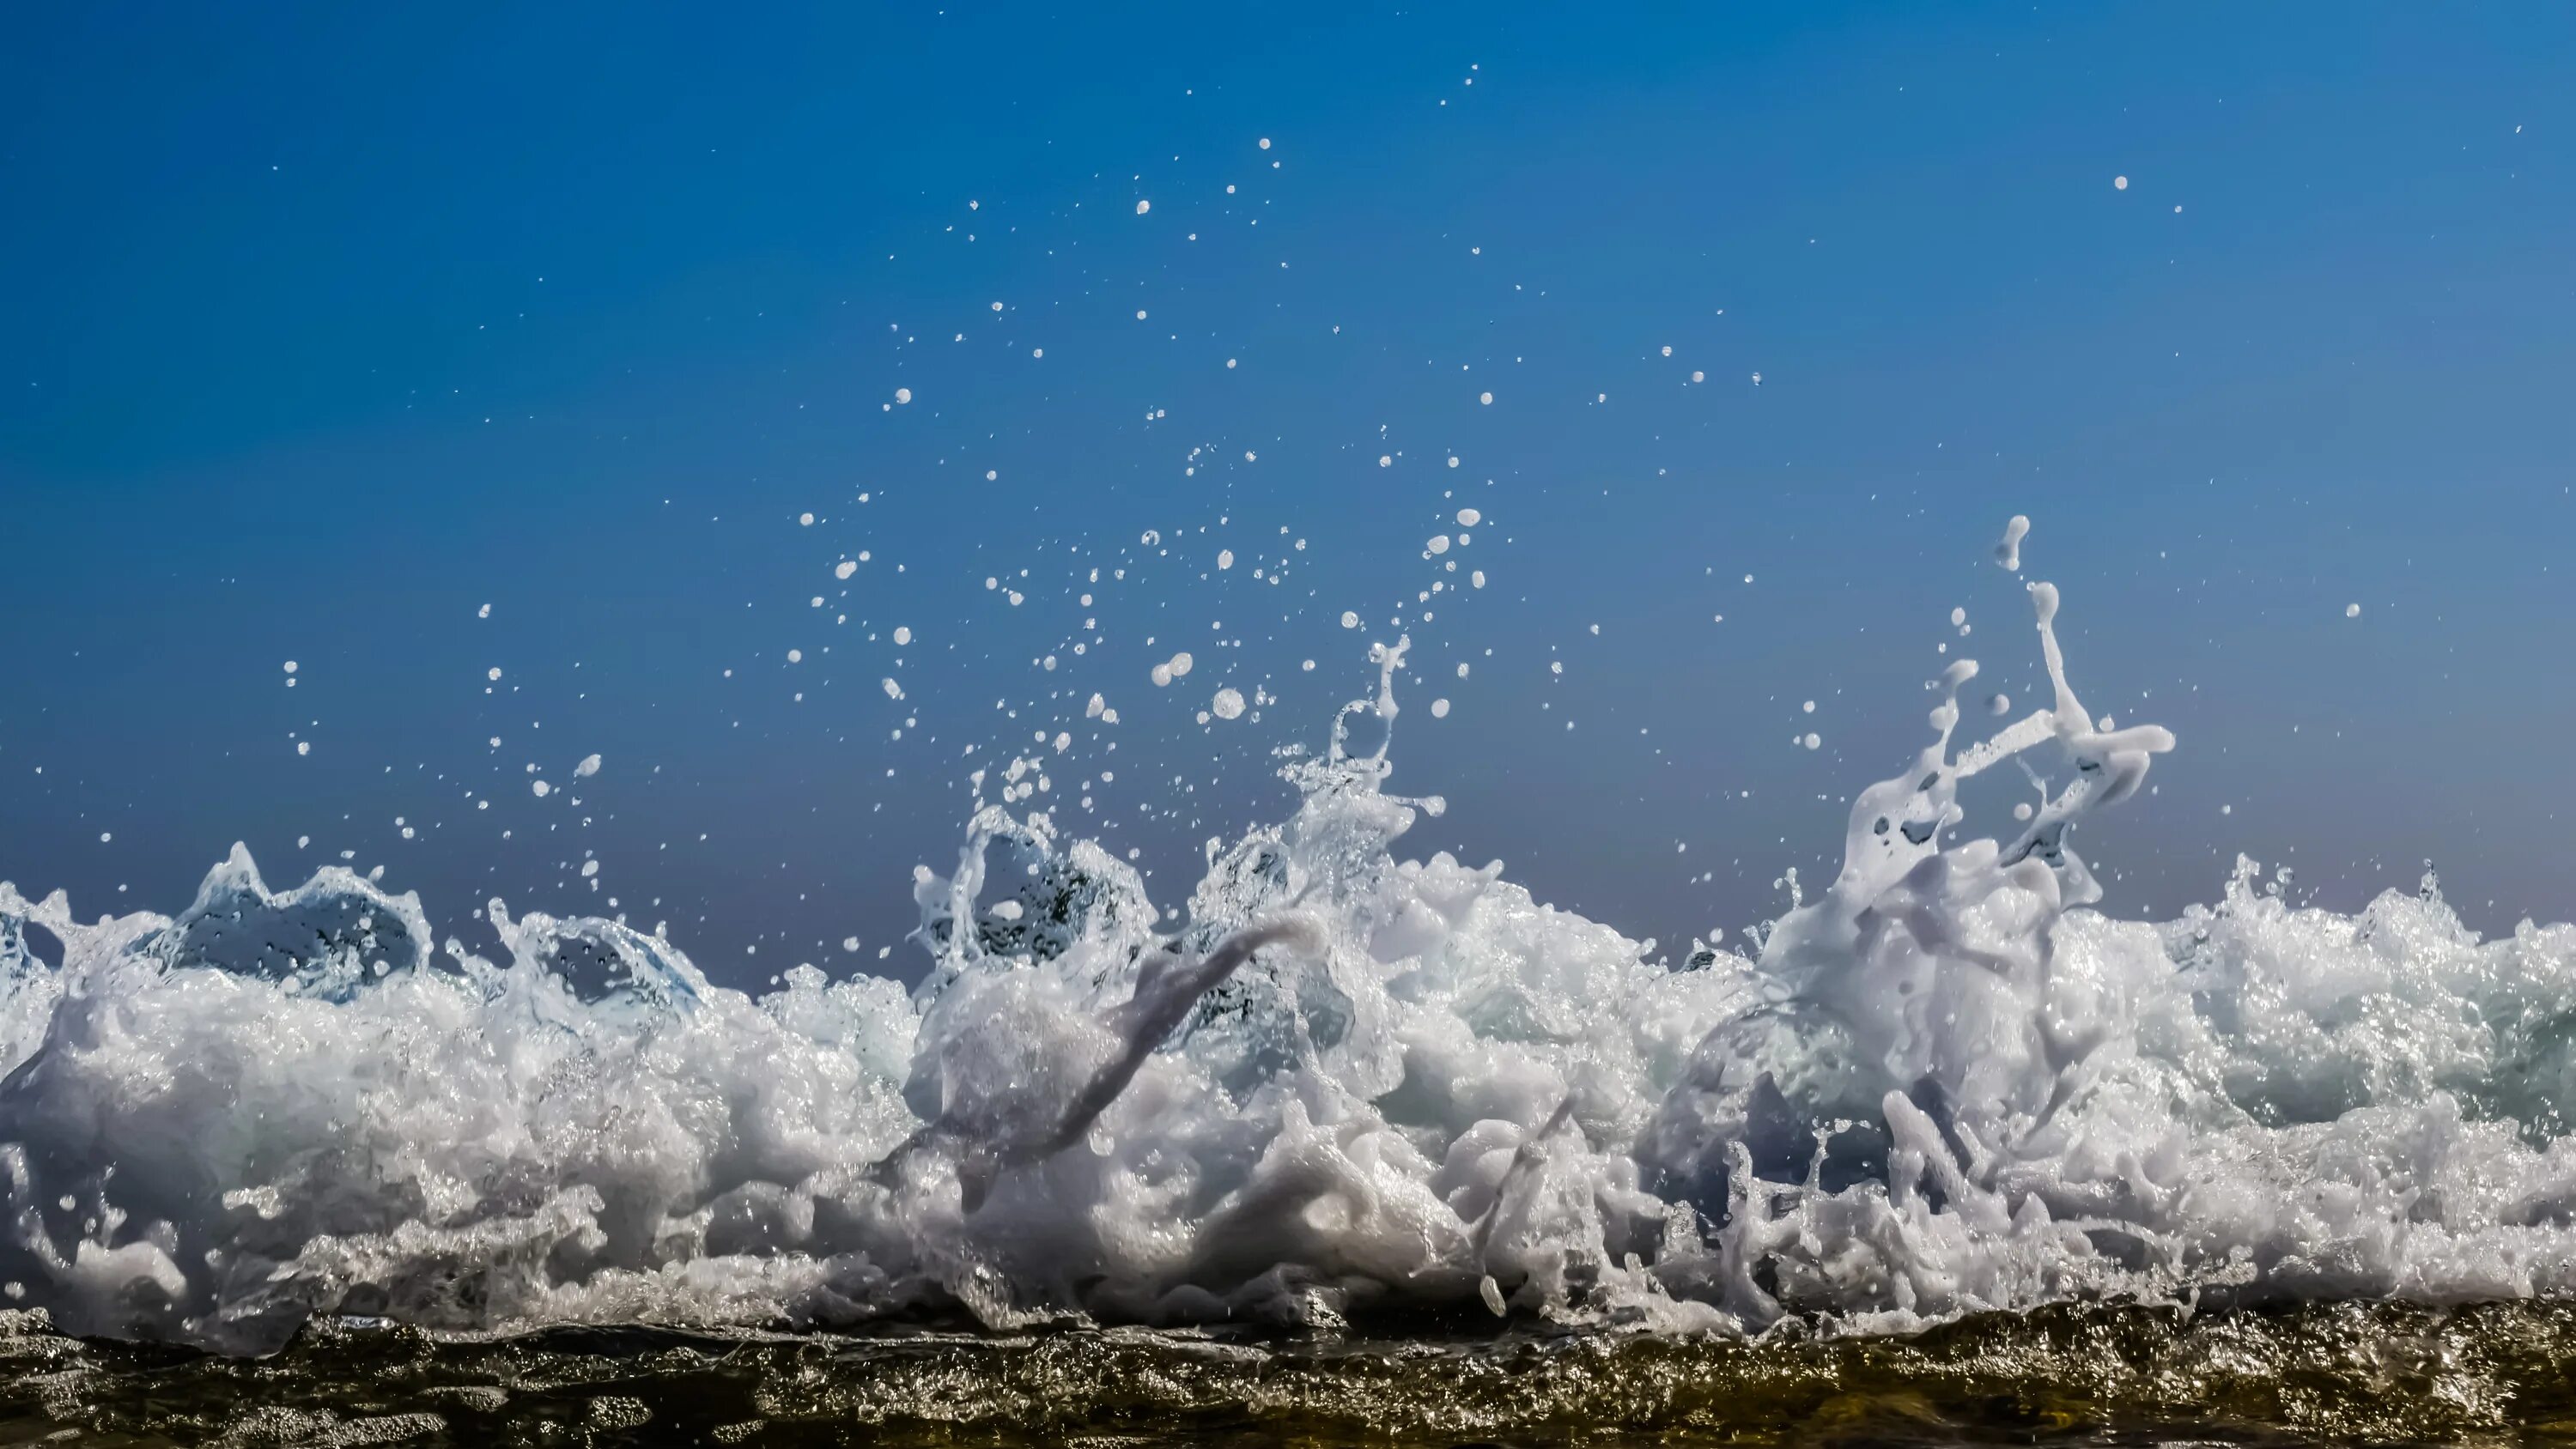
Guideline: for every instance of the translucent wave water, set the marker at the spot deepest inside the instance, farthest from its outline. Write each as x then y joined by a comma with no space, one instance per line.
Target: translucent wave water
1339,1082
2366,1373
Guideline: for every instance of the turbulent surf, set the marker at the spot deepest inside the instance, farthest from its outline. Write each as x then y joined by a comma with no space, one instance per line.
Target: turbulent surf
1335,1085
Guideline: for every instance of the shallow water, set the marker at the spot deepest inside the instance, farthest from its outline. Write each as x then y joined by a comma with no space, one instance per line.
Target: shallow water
2070,1374
1353,1148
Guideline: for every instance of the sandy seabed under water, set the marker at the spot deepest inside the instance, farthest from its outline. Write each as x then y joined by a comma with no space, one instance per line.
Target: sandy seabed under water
2067,1374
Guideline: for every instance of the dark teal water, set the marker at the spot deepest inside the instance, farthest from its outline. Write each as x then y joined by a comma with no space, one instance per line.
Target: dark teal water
2350,1374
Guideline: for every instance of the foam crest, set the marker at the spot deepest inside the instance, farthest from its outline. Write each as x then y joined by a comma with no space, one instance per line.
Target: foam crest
1335,1080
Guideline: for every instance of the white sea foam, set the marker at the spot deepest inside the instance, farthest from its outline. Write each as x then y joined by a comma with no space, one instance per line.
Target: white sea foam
1336,1078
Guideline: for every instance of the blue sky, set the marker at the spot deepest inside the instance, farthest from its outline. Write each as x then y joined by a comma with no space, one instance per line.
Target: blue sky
331,326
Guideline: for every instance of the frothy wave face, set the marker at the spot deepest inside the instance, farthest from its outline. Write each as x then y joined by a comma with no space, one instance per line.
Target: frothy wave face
1348,1081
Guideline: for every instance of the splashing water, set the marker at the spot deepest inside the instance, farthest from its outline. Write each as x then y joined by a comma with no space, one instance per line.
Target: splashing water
1345,1082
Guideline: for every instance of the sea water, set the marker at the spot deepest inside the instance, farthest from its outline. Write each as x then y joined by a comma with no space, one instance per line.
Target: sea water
1336,1088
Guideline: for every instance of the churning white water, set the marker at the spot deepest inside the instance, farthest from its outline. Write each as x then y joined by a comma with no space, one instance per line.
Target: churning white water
1334,1079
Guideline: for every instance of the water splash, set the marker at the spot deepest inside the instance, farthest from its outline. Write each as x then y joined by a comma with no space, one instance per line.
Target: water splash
1336,1081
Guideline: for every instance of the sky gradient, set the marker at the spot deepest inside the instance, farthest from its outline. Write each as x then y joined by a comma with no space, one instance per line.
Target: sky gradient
330,327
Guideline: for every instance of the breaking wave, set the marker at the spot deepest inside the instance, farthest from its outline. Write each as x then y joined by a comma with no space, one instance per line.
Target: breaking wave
1337,1082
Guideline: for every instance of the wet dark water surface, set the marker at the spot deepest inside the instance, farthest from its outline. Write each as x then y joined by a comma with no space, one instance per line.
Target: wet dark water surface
2349,1374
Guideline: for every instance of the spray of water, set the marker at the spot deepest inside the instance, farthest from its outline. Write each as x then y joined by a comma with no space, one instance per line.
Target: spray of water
1339,1080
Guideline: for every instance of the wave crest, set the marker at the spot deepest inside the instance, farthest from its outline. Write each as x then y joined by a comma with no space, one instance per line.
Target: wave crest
1346,1081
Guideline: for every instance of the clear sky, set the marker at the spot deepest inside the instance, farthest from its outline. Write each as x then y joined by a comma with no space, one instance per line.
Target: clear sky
327,327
